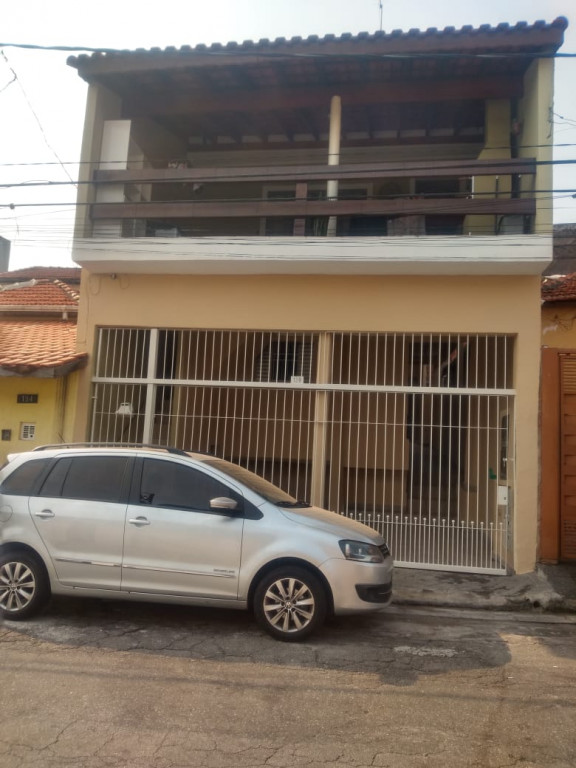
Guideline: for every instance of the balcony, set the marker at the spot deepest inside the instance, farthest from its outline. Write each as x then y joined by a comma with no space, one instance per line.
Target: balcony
249,219
411,198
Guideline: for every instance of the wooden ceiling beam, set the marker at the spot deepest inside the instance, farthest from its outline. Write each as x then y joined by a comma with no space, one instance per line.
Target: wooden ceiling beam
279,99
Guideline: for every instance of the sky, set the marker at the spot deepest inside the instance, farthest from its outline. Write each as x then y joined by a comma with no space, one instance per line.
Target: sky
42,100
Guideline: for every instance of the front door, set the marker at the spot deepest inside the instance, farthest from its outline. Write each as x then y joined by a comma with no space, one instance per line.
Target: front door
174,543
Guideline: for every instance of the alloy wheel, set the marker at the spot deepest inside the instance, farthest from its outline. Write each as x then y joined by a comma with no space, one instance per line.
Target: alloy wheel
17,586
289,604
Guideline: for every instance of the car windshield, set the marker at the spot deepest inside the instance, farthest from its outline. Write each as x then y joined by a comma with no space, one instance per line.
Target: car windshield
255,483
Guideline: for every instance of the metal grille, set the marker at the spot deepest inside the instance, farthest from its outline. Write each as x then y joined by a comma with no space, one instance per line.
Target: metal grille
410,433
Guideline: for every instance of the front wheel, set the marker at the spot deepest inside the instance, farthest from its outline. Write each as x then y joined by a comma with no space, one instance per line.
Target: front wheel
290,603
24,588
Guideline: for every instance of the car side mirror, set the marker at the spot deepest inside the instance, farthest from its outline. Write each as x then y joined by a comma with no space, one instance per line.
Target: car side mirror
224,503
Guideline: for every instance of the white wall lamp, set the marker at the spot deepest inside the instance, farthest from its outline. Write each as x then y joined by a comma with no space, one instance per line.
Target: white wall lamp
125,409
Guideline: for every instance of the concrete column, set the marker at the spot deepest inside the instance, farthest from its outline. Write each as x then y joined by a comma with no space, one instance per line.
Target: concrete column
113,156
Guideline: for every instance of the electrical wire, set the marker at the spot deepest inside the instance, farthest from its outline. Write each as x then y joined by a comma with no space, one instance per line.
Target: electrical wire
33,111
350,153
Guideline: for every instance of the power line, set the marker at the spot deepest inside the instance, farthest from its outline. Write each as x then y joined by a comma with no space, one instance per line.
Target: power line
258,175
350,152
29,103
192,202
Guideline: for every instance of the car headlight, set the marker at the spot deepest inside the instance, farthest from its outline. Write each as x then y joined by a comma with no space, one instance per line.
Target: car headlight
361,551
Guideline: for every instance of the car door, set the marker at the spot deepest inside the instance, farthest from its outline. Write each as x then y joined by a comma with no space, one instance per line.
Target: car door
174,542
79,512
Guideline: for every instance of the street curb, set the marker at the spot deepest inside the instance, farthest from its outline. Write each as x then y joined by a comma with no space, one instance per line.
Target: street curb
553,604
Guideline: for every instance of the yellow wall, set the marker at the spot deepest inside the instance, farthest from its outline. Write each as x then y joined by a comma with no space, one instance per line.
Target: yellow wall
52,415
497,147
536,136
353,303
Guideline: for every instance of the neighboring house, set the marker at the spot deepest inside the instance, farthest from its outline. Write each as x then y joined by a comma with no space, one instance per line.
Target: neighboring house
564,261
558,417
321,259
68,275
38,362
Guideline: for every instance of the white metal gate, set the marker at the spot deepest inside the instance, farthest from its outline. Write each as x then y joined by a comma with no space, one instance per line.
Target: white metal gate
410,433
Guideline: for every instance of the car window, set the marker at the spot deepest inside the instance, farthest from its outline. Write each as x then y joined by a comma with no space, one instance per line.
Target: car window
168,484
258,484
22,481
94,478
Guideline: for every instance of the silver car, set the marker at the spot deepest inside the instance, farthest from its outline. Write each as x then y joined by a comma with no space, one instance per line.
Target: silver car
165,525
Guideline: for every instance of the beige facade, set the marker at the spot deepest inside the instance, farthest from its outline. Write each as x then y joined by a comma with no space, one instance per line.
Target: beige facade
489,305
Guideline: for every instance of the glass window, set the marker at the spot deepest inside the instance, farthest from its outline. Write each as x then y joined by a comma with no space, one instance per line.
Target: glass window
53,484
23,480
94,478
258,484
284,360
168,484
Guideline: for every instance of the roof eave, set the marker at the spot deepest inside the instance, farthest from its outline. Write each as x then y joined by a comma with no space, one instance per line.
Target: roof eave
29,370
538,39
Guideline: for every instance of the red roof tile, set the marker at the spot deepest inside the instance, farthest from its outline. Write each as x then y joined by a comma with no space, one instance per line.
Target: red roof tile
31,345
38,293
559,288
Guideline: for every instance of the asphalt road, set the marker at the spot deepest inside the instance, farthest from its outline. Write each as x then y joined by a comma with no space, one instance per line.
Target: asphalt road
110,685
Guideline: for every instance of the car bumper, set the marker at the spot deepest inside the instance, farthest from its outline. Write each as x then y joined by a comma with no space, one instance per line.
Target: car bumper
359,587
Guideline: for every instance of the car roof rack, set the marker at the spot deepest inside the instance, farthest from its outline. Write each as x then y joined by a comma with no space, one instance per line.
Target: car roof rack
167,448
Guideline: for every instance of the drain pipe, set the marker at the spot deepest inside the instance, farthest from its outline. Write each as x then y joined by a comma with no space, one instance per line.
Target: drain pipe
334,156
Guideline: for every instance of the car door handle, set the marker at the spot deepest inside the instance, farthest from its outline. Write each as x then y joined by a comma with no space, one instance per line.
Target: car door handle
139,521
45,513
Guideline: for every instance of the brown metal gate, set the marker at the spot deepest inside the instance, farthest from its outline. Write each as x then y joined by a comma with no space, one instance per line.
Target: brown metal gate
568,457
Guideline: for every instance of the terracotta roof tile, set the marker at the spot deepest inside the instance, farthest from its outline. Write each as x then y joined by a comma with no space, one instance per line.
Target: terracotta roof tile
38,293
29,345
559,288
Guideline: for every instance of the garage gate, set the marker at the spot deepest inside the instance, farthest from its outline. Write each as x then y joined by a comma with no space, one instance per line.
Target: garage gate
409,433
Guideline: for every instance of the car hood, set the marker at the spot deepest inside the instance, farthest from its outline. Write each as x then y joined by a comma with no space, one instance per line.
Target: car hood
316,517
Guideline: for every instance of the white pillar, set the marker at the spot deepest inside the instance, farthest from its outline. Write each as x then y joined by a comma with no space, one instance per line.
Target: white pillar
334,155
113,156
321,415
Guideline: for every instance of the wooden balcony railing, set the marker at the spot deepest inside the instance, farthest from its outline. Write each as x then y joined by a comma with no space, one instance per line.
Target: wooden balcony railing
300,207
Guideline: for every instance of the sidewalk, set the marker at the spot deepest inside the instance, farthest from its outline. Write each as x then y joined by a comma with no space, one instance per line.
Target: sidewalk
549,588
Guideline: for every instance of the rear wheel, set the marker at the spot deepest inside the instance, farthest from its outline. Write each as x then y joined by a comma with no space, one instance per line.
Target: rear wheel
290,603
24,587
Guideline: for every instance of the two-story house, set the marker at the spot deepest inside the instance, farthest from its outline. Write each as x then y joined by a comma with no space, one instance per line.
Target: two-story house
321,258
